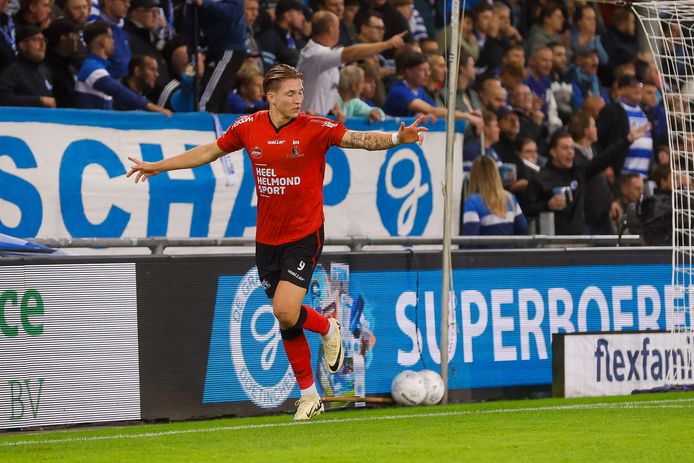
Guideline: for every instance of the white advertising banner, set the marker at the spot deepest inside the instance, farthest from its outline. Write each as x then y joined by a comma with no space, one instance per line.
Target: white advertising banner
619,363
68,344
62,174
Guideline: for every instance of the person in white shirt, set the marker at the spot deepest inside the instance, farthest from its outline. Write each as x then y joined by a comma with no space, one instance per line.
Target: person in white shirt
320,63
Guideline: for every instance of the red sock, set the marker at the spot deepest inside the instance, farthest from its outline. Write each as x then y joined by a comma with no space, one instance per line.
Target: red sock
316,322
299,356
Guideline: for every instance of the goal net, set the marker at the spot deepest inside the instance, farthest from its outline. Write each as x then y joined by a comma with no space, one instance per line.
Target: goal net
669,28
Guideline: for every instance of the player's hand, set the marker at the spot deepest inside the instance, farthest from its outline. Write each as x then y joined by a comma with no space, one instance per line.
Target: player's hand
412,133
142,169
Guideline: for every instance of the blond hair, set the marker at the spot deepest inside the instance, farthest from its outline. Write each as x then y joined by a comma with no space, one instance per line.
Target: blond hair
485,180
277,74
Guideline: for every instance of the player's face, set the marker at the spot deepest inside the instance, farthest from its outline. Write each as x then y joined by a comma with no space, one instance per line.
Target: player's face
288,98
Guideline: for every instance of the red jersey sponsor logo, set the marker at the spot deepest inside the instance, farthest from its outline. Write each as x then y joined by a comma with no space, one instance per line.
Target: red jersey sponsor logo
256,152
241,120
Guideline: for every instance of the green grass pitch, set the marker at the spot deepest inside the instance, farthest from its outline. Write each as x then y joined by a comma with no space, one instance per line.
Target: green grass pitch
653,427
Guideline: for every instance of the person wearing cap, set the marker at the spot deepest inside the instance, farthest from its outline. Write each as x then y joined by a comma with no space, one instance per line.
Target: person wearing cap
113,13
615,121
62,38
141,26
7,36
320,62
27,82
584,76
95,87
222,28
278,43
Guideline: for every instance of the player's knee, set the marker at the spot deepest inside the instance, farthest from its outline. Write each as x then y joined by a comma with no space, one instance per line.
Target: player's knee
285,313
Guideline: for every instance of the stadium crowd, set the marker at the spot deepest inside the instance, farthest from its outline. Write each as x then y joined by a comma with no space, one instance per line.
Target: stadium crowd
558,94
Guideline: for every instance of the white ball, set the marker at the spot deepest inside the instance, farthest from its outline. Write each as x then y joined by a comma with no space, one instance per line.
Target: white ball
408,388
434,387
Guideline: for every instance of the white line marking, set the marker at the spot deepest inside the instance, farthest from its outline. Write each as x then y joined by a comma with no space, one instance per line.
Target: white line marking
645,404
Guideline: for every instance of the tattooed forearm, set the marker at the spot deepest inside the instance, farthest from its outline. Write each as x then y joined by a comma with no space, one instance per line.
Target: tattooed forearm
367,140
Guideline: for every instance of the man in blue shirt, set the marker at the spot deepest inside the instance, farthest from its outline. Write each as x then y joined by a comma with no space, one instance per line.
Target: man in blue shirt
113,13
408,97
95,87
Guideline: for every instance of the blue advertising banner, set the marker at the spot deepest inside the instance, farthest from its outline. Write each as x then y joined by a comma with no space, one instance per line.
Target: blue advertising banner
501,321
71,180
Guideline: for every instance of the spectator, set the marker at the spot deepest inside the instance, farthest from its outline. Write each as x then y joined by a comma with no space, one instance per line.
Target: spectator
113,13
143,72
630,190
351,86
141,26
430,46
7,36
511,75
408,97
369,88
508,35
178,95
26,82
616,119
223,30
62,40
491,134
529,117
584,33
655,112
490,210
492,94
560,185
277,43
550,27
561,87
540,67
468,39
468,100
415,22
95,87
527,151
514,54
599,203
34,12
320,62
76,11
491,56
593,104
337,7
584,77
509,127
437,79
247,98
251,9
620,41
371,30
394,22
483,15
349,18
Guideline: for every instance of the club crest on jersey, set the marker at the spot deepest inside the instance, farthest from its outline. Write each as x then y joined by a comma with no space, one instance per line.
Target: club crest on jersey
295,152
256,152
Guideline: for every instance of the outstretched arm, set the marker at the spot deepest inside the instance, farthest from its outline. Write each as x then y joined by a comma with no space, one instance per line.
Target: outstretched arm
203,154
375,140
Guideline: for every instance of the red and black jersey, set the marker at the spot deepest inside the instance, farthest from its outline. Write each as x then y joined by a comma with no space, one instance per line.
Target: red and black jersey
288,165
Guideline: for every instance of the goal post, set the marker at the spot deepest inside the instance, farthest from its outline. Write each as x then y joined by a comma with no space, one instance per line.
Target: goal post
669,30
